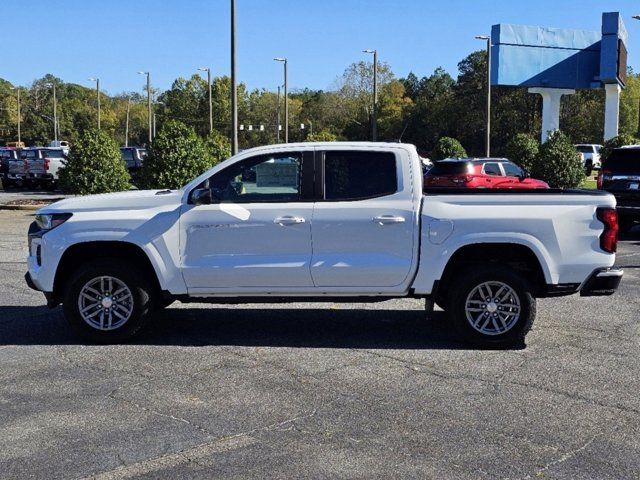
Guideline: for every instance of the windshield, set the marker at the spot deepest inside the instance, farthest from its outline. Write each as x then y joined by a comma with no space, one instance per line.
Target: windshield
584,148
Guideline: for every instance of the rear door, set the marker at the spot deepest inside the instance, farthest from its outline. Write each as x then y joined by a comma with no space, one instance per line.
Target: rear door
364,221
494,177
621,176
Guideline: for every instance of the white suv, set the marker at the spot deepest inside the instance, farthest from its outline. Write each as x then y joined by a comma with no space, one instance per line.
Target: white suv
590,155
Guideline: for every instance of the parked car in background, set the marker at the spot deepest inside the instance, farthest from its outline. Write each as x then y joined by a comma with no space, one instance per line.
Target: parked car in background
6,155
620,175
480,173
133,158
17,169
63,144
42,165
590,156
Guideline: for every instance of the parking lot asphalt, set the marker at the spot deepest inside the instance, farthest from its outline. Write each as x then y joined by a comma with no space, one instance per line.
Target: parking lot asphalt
318,391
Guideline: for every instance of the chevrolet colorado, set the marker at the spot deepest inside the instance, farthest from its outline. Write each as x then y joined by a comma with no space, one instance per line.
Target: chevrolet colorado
322,221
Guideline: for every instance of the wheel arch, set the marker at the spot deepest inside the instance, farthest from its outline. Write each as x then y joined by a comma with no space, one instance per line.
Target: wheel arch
81,252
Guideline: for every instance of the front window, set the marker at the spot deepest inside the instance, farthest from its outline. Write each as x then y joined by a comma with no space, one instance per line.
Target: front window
511,170
267,178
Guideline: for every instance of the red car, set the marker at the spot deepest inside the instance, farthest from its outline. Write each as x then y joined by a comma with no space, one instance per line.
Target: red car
480,173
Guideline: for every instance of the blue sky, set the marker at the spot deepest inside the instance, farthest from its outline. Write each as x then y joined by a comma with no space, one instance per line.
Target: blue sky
113,39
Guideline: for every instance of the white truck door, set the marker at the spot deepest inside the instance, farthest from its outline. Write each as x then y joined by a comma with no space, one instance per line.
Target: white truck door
257,233
363,229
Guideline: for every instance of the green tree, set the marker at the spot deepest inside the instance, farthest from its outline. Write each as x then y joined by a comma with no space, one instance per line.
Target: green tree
94,166
218,147
448,147
615,142
322,136
177,155
559,162
523,149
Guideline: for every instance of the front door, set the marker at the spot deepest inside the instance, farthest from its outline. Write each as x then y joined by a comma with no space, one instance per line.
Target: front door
363,226
255,234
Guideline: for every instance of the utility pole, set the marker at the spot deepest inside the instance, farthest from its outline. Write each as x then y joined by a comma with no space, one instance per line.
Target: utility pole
149,112
637,17
286,98
55,113
234,86
126,125
488,112
97,80
374,107
208,70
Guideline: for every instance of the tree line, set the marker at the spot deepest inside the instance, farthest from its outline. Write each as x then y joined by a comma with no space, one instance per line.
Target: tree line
411,109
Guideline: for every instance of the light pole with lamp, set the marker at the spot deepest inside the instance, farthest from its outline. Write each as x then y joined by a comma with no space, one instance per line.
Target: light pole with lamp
286,98
208,70
55,112
487,39
97,80
234,83
149,112
374,108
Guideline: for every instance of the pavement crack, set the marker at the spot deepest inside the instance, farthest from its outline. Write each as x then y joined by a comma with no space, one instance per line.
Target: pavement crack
564,457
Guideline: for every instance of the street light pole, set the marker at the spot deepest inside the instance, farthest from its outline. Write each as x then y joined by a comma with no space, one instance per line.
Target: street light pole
55,113
234,86
149,112
374,107
17,89
278,116
208,70
637,17
97,80
487,39
286,98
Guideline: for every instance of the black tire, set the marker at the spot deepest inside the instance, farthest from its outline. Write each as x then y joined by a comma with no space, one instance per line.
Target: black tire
134,279
462,286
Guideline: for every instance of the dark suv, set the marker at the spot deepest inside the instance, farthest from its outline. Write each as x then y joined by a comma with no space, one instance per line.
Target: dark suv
620,175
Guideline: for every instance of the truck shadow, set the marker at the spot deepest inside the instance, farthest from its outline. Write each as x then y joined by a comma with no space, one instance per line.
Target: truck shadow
252,327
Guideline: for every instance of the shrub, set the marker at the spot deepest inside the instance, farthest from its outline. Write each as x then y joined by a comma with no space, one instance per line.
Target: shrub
448,147
176,156
94,166
523,150
615,142
559,163
322,136
218,146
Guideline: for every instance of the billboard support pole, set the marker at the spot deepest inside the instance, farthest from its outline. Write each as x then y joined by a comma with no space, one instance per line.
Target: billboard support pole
611,110
550,108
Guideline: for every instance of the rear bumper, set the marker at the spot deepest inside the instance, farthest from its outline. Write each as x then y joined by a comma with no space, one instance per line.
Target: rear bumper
603,281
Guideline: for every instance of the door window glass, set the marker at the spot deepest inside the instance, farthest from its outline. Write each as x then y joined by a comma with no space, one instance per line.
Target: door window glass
511,170
492,169
359,175
267,178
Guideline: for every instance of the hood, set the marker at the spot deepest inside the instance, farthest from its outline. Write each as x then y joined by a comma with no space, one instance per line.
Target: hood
132,200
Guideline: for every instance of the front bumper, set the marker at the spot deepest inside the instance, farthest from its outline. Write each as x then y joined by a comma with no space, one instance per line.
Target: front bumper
603,281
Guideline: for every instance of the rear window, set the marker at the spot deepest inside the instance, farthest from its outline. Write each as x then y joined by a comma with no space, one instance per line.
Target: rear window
29,154
127,154
359,175
623,160
585,148
450,168
54,153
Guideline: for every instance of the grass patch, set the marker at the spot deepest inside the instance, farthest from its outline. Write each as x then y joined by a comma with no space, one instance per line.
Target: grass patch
589,183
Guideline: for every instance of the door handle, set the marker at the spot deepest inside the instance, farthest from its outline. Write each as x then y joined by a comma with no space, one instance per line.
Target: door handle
288,220
388,219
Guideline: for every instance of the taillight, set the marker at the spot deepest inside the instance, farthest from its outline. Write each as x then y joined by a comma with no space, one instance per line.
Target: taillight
26,165
46,164
462,179
609,237
602,175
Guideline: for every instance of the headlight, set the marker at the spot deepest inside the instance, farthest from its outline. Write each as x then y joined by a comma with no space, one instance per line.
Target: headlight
48,221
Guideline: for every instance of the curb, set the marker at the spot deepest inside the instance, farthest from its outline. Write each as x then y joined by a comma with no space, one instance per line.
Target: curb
31,208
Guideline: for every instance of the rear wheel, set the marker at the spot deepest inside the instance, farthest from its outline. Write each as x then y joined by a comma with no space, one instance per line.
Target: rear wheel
491,306
107,301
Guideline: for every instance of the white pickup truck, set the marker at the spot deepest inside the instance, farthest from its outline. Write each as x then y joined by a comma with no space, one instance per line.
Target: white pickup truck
341,222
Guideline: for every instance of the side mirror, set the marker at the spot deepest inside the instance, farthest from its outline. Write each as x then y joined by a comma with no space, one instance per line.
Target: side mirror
201,196
525,174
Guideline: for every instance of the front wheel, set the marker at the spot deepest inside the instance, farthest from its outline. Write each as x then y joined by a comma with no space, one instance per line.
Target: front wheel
492,305
107,301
